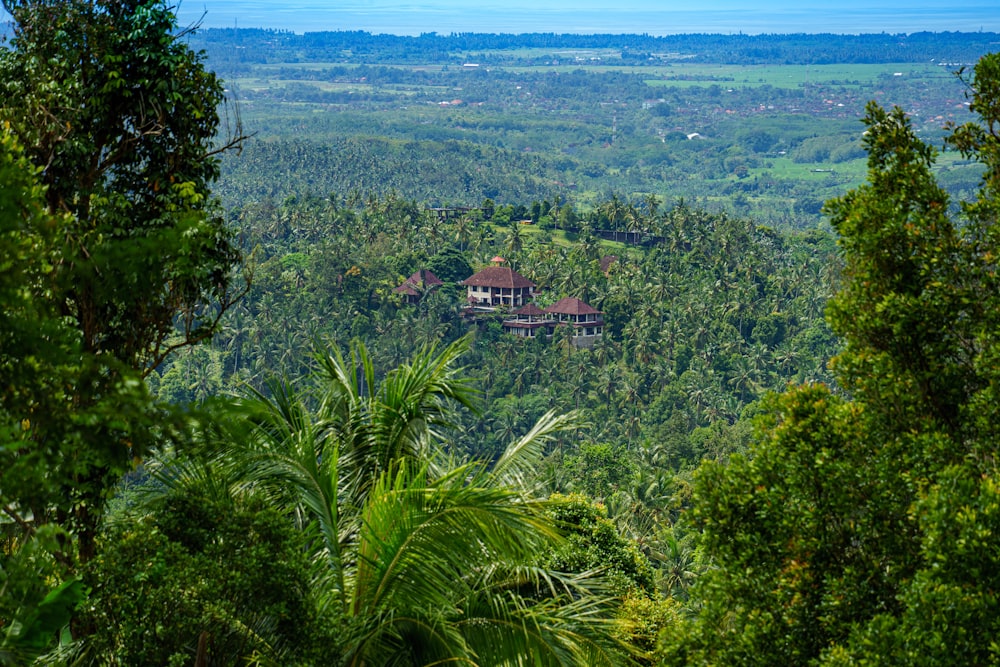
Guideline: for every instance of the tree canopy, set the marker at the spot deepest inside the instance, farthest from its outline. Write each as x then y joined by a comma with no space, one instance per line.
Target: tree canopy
859,530
122,117
114,255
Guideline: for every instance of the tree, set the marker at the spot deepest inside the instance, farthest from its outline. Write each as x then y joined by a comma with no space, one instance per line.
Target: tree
225,580
46,436
419,559
857,532
600,470
123,116
129,257
450,265
594,543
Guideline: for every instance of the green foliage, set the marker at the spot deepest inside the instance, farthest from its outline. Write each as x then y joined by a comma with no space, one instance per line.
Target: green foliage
35,613
594,543
450,265
861,530
123,117
37,348
791,539
64,414
541,126
710,313
112,257
416,558
201,578
600,470
644,619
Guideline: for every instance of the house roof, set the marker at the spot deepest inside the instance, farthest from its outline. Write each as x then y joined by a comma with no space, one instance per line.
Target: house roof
531,310
425,276
407,288
571,306
422,278
498,276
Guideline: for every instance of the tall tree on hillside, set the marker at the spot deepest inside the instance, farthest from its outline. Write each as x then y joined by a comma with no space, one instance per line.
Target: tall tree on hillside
39,425
862,531
120,118
123,117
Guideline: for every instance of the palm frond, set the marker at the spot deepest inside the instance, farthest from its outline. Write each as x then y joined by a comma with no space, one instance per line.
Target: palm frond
521,459
408,518
396,420
428,561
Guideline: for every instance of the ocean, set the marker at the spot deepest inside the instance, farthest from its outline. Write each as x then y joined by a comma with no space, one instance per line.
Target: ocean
446,17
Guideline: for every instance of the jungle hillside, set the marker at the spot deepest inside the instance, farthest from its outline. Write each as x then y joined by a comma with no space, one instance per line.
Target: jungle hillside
353,349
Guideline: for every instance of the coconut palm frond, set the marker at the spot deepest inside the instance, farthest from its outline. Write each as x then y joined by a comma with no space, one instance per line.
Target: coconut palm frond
522,458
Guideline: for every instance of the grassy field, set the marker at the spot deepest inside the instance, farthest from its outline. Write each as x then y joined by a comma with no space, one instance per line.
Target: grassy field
817,172
786,76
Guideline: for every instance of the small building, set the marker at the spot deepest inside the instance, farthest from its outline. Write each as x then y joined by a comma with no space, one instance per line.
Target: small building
418,284
527,322
586,320
531,321
498,286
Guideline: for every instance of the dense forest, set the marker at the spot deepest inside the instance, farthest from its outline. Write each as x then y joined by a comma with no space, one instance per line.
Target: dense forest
576,120
254,410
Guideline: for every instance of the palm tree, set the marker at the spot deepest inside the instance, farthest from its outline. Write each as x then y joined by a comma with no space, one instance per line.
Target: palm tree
652,203
514,242
463,231
678,561
423,560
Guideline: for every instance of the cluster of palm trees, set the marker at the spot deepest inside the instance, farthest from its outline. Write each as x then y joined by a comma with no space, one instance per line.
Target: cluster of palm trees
424,559
698,327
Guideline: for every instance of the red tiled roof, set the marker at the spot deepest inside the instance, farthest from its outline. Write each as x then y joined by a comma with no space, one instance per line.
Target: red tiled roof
407,289
498,276
572,306
423,278
531,310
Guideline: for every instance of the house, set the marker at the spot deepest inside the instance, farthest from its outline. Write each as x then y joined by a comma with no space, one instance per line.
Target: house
531,321
417,285
528,322
587,323
498,286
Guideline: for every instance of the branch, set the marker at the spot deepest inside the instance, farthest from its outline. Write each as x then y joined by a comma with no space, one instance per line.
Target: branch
160,353
192,28
236,142
234,129
19,520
